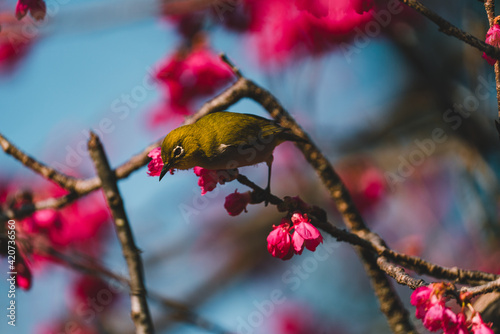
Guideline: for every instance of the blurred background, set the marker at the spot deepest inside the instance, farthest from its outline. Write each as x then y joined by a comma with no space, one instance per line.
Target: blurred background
405,114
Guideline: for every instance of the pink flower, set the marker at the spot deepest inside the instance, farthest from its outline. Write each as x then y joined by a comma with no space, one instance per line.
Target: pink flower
42,220
14,44
492,38
88,288
82,224
456,324
430,303
189,75
279,241
304,234
208,178
283,31
237,202
36,8
314,7
156,164
435,315
420,298
478,326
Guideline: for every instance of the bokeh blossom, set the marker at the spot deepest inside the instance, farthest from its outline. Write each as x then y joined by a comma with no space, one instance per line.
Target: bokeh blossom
81,227
281,31
36,8
187,76
14,41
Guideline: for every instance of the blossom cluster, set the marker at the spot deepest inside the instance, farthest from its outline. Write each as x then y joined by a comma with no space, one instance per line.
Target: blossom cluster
187,76
79,226
430,302
286,239
292,235
207,178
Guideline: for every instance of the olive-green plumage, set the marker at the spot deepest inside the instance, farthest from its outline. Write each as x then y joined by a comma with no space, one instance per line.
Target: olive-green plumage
223,140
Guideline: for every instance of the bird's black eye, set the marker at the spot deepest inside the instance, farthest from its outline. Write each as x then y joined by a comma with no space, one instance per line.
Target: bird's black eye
178,151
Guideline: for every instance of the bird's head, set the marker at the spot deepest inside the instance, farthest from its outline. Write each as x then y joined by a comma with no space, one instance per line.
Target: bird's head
179,150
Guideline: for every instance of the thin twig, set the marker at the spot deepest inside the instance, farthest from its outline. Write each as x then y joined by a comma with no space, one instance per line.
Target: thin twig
390,303
65,181
399,274
233,67
449,29
362,237
140,310
481,289
370,242
230,96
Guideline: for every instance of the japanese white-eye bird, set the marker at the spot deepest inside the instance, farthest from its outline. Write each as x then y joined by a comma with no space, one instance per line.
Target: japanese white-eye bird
224,140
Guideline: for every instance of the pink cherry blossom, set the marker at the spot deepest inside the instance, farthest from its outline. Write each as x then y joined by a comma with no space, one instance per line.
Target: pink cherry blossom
87,288
14,44
435,315
36,8
314,7
156,164
279,241
478,326
420,298
282,31
304,234
237,202
456,324
207,179
187,76
492,38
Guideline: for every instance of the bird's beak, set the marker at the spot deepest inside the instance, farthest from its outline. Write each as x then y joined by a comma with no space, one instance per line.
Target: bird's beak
164,171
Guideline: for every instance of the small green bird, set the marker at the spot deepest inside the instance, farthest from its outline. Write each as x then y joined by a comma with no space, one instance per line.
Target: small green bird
224,140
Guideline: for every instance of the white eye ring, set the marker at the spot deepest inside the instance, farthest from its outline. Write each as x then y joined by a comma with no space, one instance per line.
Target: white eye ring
178,151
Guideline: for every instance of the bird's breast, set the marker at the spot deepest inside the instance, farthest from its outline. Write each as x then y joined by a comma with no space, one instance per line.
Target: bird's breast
232,156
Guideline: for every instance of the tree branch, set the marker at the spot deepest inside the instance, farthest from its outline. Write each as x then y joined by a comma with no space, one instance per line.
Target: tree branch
489,6
449,29
481,289
372,245
140,311
65,181
390,304
399,274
